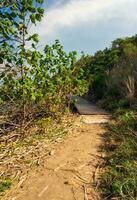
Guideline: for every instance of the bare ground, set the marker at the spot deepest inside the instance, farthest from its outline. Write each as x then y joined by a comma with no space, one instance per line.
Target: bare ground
71,171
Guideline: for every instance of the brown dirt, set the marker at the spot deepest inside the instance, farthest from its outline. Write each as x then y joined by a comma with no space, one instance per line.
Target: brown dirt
71,170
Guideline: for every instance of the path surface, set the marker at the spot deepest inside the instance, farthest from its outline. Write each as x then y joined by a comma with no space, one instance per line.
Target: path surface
70,172
85,107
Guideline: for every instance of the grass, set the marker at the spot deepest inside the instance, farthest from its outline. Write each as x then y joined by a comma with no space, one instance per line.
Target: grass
119,180
4,185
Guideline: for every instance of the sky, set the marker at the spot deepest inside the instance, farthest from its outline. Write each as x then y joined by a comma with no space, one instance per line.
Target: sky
87,25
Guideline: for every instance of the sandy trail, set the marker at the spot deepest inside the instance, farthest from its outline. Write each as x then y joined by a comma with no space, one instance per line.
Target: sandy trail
70,172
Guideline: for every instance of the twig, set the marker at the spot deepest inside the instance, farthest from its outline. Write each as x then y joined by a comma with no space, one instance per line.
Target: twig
22,181
82,166
58,168
10,123
71,170
28,123
73,193
85,193
82,179
42,192
10,138
95,172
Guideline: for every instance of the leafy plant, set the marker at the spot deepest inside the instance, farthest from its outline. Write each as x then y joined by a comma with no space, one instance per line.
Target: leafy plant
34,83
119,179
129,119
4,185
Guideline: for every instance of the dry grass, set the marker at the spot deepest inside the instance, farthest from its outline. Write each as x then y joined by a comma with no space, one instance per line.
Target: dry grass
18,156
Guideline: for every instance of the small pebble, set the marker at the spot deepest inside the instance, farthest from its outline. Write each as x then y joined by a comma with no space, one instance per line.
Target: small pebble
52,152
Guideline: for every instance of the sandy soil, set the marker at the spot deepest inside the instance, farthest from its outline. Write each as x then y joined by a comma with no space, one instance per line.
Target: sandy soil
71,170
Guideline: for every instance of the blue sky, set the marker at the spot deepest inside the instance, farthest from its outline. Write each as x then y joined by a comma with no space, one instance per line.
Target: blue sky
87,25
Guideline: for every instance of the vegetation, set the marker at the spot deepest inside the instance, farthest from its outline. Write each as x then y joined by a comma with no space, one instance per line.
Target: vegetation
6,184
113,72
35,85
113,84
120,178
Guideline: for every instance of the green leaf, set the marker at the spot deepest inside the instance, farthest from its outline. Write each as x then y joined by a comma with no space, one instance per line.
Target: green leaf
38,17
33,97
34,37
1,61
40,1
13,14
33,45
12,30
32,9
40,10
33,19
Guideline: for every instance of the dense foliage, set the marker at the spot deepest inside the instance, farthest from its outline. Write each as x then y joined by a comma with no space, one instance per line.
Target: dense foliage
120,178
33,82
36,83
113,71
113,84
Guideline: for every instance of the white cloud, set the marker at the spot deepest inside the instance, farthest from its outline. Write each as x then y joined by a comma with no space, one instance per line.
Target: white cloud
74,13
71,14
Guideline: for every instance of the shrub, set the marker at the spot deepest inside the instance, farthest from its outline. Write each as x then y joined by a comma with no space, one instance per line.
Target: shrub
119,180
33,83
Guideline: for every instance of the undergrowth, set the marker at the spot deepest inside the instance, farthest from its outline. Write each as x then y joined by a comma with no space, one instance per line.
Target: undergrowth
119,181
19,155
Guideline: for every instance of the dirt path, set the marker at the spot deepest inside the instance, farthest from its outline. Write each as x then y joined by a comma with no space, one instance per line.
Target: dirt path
85,107
70,171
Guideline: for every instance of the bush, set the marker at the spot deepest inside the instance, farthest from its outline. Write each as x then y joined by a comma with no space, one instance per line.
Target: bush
46,84
33,83
120,177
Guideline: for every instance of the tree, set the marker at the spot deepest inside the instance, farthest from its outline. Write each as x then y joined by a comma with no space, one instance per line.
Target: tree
34,82
15,17
113,70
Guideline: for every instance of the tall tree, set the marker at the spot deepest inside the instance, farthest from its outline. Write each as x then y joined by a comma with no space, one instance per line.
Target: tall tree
34,81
